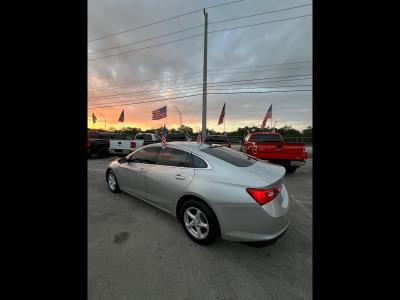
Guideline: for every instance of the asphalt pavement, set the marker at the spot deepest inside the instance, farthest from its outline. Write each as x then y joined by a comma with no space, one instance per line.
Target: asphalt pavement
136,251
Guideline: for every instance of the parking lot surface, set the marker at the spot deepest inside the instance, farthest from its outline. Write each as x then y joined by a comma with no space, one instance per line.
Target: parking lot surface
136,251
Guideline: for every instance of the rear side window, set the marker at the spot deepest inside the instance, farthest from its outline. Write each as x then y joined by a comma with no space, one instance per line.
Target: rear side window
174,157
145,155
198,162
264,138
233,157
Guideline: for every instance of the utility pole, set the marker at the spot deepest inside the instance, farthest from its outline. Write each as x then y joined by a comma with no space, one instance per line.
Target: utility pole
204,116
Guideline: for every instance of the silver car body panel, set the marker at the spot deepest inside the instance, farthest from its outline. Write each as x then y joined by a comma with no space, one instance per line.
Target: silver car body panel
221,185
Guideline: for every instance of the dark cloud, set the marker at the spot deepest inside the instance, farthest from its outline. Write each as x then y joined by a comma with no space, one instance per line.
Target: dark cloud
272,43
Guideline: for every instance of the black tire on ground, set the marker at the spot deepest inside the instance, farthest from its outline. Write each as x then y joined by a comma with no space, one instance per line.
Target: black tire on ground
213,225
114,189
291,169
103,153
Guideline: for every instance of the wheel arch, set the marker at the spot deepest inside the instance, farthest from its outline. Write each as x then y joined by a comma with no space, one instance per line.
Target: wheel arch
186,197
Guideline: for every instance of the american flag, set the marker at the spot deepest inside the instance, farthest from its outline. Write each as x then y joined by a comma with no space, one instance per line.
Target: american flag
122,117
94,118
198,139
164,137
267,116
160,113
221,117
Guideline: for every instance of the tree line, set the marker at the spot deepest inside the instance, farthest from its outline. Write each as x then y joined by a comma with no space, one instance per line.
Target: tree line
285,131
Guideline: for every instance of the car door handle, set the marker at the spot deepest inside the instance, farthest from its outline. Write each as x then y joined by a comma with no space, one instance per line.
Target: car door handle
179,177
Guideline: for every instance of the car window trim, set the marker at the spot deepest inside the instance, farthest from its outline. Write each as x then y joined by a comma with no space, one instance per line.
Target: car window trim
145,147
209,166
174,166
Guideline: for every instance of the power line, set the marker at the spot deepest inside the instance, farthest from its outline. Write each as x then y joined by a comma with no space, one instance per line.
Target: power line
195,35
244,72
258,14
134,50
211,88
256,24
217,84
145,40
167,99
260,92
212,70
164,20
199,85
194,27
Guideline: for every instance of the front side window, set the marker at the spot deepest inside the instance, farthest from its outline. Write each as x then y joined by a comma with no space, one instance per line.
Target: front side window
174,157
145,155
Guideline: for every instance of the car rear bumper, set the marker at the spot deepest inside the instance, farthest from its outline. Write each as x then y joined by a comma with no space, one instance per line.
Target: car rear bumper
254,222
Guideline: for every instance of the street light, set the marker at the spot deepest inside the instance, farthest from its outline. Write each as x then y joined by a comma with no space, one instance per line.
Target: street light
180,115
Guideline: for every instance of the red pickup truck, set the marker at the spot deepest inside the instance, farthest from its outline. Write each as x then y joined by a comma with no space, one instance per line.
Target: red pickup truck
270,146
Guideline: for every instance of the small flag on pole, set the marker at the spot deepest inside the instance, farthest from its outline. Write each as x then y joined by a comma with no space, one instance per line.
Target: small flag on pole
221,117
164,137
122,117
94,118
267,116
159,113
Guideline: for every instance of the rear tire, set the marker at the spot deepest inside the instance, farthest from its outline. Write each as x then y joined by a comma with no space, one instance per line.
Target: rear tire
112,182
205,227
291,169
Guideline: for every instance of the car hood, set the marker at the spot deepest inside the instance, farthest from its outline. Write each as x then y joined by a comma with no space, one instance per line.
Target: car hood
267,172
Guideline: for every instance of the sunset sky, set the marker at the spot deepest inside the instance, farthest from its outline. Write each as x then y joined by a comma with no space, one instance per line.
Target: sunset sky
278,54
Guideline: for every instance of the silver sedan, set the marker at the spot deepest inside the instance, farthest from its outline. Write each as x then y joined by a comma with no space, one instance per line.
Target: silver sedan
214,191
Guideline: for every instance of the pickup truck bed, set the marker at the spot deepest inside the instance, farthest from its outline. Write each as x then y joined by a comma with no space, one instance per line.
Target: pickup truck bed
270,146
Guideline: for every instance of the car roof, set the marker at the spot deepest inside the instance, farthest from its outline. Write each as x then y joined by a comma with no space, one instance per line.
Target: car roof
271,133
188,146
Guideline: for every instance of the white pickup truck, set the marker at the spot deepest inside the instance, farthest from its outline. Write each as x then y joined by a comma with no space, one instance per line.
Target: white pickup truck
123,144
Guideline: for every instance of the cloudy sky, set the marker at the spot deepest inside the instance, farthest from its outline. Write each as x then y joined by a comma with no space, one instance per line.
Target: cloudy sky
264,58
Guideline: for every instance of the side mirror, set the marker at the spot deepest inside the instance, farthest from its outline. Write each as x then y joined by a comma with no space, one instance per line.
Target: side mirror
122,160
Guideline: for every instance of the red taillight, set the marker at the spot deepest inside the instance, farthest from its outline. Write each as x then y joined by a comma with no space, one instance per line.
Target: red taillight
263,196
133,144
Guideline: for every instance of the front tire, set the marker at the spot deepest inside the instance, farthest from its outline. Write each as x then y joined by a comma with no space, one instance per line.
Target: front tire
199,222
112,182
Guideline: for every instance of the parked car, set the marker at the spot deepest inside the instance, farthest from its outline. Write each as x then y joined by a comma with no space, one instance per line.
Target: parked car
213,190
98,144
218,139
177,137
270,146
120,144
123,144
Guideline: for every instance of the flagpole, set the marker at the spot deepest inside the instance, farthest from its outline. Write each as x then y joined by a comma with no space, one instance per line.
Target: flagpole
224,117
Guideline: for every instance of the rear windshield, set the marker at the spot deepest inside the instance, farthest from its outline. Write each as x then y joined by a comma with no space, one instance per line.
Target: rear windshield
233,157
146,137
265,138
120,137
216,139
